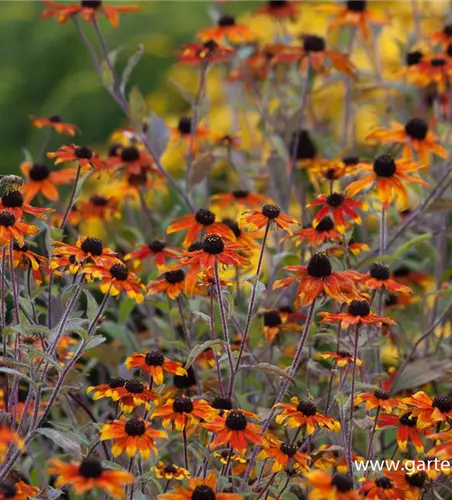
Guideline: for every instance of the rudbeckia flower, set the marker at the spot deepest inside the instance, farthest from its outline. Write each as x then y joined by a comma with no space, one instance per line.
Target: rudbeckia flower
407,430
246,240
11,228
323,232
56,123
443,35
358,313
434,69
441,451
89,10
23,256
172,284
132,394
110,390
299,413
380,488
390,177
379,278
279,9
336,487
155,363
8,437
410,484
170,472
40,179
16,491
274,323
13,201
284,453
379,399
183,132
85,157
338,206
156,249
132,435
227,31
88,474
257,219
429,411
105,208
205,52
130,158
239,197
341,358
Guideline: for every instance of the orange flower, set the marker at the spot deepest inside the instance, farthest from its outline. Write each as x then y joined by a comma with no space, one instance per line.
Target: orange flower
170,472
132,435
429,411
156,249
242,238
441,451
299,413
435,69
406,430
172,283
380,489
200,488
130,158
379,277
415,135
131,394
13,201
110,390
257,219
239,197
16,490
11,228
183,132
155,363
358,313
318,278
323,232
342,358
444,35
274,323
379,399
279,9
390,176
184,413
227,31
86,157
354,13
338,206
284,453
87,9
40,179
101,207
56,123
202,221
23,256
333,170
88,474
233,428
337,487
355,247
7,437
410,484
116,279
206,52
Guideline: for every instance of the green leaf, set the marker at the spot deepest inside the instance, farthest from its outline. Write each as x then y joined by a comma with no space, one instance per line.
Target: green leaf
138,108
270,369
91,305
12,371
200,348
95,341
158,135
130,66
64,441
125,308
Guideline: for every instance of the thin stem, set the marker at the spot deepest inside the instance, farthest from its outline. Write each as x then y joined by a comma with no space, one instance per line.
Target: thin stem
184,324
213,336
30,297
71,199
184,435
372,435
383,235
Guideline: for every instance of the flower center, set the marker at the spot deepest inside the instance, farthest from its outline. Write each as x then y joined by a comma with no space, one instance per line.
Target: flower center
55,119
444,404
314,43
173,277
326,224
91,4
12,199
7,218
413,58
438,62
183,404
350,160
319,266
342,482
154,358
116,382
271,211
90,468
335,200
184,126
379,272
7,489
417,479
384,166
240,193
408,420
205,217
135,427
306,149
417,128
130,154
170,469
356,5
220,403
213,244
382,395
383,482
277,4
134,386
236,421
272,318
157,246
344,354
93,246
39,172
447,30
203,492
83,153
226,20
18,248
307,408
288,449
233,226
185,381
119,272
98,201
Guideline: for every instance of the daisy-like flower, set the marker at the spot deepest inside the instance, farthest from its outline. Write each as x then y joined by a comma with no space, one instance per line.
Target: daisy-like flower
116,279
429,411
88,10
444,36
200,489
358,313
318,278
130,158
243,238
333,170
23,256
184,413
130,436
338,206
409,484
110,390
414,134
275,323
88,474
132,394
441,451
184,131
239,463
172,284
40,179
104,208
56,123
13,491
299,413
7,437
170,472
379,399
380,488
233,428
390,176
202,221
354,13
240,197
14,202
379,277
332,487
435,69
257,219
407,430
341,358
355,247
227,31
86,157
284,453
11,228
279,9
155,363
323,232
156,249
205,52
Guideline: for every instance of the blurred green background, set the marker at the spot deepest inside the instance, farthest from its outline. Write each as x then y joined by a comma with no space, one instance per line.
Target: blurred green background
45,69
